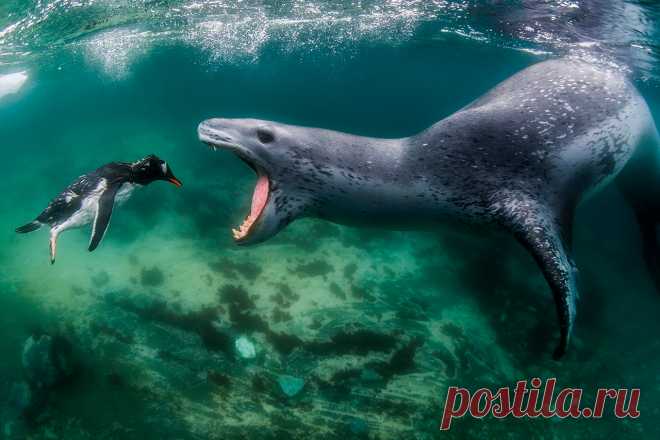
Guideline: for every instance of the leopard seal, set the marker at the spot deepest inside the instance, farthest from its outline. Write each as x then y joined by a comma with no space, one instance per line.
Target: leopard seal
521,157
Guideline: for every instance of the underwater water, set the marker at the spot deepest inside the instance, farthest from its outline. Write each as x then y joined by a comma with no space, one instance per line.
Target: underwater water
357,332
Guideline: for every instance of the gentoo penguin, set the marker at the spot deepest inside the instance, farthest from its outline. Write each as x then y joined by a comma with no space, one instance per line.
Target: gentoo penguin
92,196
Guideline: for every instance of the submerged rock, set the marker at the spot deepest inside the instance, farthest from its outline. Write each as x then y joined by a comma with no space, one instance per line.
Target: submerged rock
313,269
26,403
203,322
290,385
245,348
152,277
14,429
101,279
47,360
231,269
369,375
20,397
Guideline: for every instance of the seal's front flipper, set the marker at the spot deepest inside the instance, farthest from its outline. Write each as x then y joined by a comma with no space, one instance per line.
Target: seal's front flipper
539,230
103,214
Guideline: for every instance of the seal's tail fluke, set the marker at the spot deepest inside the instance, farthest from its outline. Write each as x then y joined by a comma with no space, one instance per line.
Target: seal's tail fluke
32,226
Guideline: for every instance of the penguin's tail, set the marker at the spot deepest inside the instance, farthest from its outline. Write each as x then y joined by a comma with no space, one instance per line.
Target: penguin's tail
32,226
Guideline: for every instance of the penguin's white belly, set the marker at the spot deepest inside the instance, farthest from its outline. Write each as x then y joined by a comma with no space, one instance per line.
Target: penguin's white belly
85,215
125,192
90,205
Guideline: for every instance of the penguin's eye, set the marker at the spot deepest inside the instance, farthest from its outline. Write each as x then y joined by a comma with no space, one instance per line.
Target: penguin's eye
163,167
265,136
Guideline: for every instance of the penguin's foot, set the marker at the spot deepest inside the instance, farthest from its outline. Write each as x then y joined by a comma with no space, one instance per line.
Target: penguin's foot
53,248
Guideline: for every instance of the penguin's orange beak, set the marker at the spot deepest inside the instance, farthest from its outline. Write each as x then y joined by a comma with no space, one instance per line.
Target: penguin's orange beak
174,181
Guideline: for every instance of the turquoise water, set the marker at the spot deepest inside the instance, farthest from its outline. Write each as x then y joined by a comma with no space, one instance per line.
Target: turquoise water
377,324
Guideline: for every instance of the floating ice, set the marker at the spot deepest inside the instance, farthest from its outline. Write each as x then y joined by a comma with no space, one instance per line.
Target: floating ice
12,83
245,348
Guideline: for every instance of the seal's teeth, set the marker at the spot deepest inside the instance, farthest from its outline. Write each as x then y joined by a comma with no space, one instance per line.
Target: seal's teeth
243,230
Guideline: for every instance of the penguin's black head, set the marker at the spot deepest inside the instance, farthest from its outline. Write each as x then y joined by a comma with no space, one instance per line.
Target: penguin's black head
150,169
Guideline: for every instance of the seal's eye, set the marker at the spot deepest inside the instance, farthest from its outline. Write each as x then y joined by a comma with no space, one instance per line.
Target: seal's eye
265,136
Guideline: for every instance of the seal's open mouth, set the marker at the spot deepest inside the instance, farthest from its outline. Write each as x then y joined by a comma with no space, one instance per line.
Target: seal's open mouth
259,200
261,189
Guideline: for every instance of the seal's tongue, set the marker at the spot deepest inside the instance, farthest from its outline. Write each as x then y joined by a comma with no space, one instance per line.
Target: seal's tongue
260,196
259,199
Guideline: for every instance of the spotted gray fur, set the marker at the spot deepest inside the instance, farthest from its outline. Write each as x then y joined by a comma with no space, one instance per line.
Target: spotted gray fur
521,157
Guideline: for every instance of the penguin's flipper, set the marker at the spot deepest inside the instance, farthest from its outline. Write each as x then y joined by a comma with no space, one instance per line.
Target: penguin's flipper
545,237
103,214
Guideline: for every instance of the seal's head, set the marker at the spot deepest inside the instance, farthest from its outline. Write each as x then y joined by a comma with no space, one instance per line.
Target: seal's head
272,150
